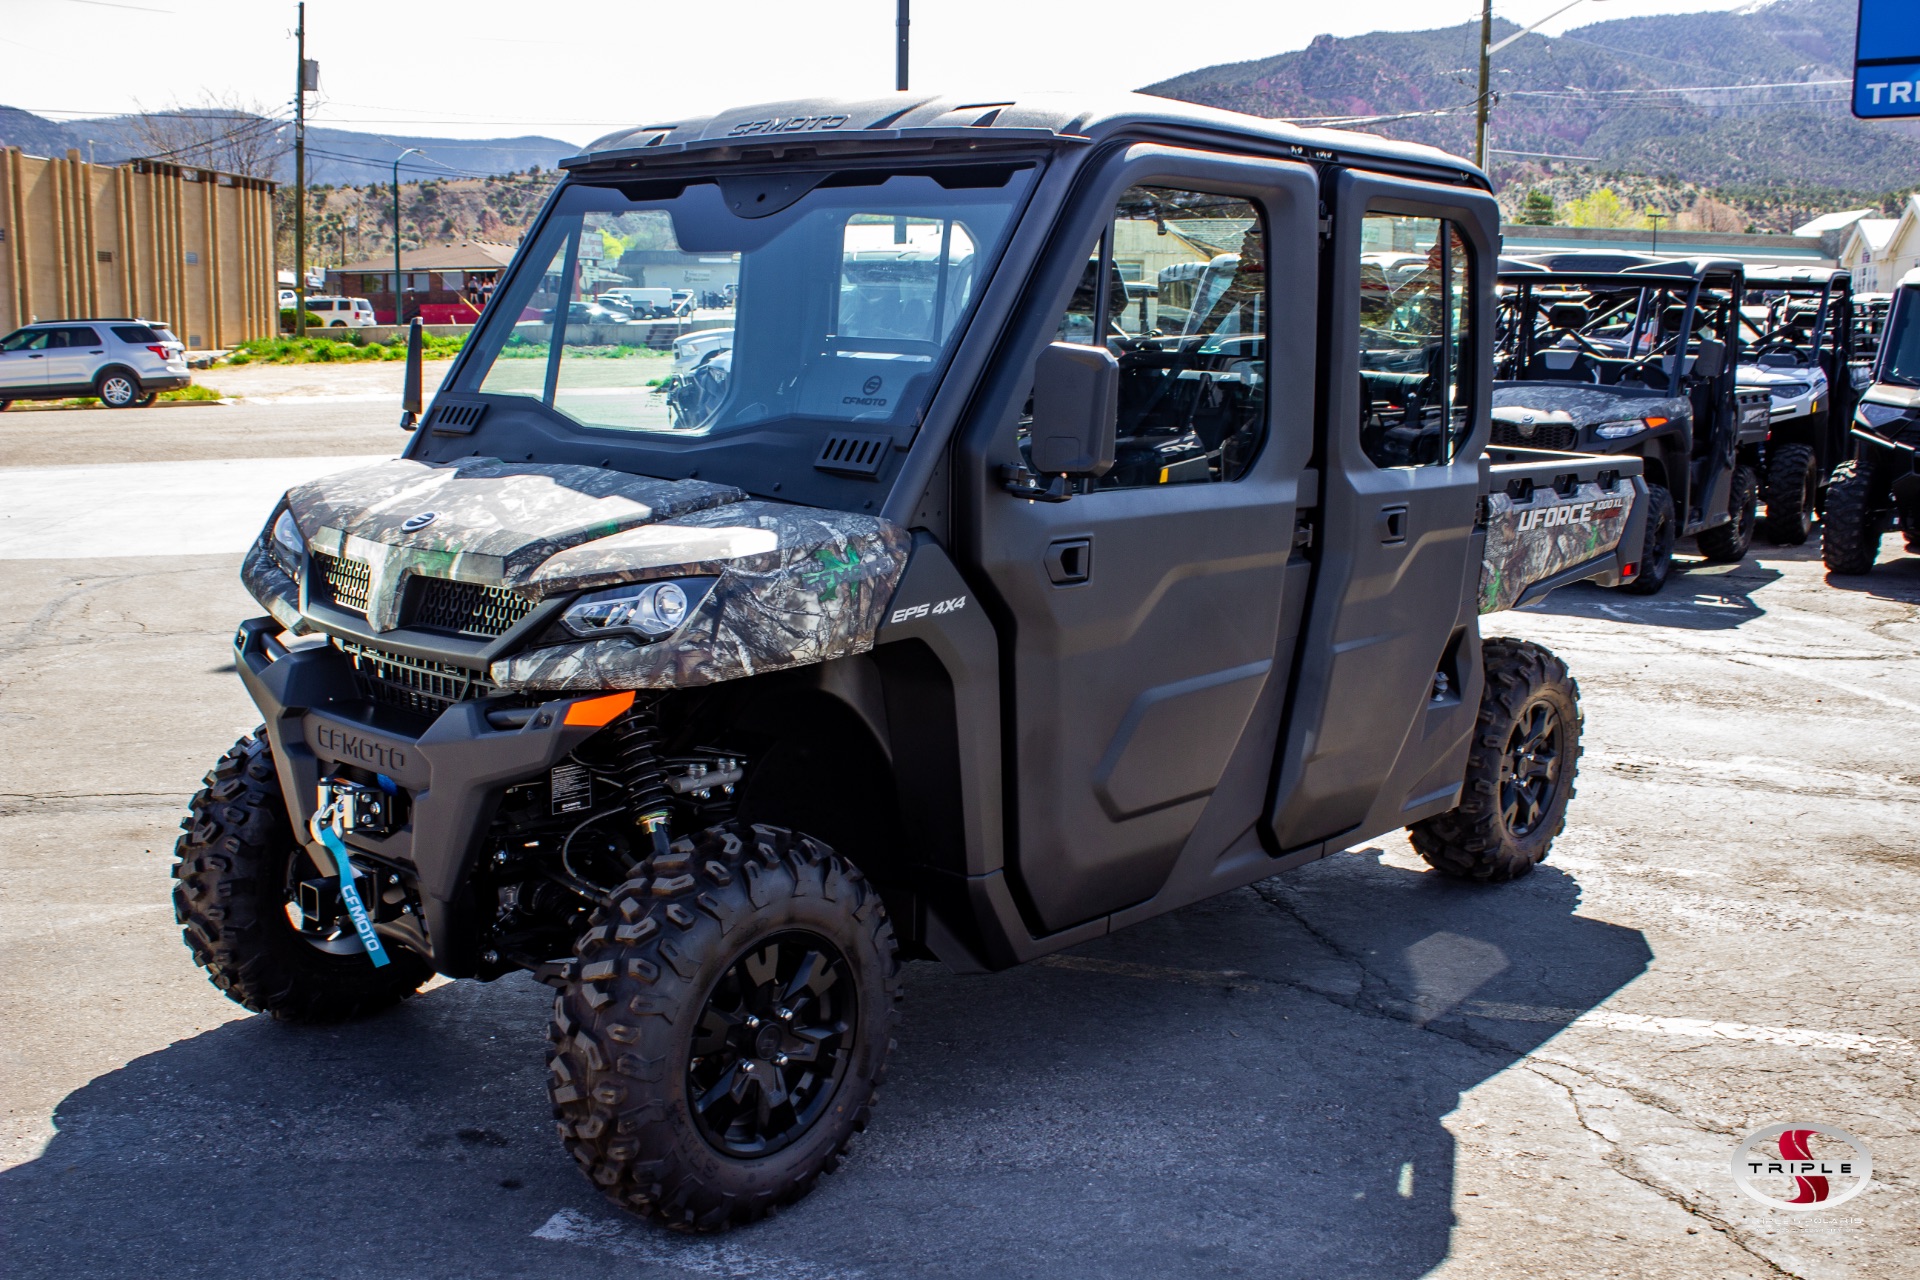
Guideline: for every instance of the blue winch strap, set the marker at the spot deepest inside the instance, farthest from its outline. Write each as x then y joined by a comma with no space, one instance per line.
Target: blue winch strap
350,896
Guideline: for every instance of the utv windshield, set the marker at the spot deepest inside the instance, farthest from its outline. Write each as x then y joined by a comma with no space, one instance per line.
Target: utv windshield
1901,363
838,310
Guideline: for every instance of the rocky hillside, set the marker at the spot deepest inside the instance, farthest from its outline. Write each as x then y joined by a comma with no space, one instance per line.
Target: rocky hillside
1635,96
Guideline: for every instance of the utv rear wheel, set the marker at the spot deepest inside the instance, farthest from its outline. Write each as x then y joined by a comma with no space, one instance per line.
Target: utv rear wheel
1727,543
1849,533
1520,771
1656,550
1793,489
238,867
724,1027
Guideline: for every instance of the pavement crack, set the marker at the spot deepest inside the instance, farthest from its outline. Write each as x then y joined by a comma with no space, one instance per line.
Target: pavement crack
1621,1164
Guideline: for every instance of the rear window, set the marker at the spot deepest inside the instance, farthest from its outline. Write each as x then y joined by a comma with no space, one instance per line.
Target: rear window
138,334
166,335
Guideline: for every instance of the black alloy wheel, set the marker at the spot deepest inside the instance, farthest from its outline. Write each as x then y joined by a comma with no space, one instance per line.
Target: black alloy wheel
1656,550
769,1050
1530,772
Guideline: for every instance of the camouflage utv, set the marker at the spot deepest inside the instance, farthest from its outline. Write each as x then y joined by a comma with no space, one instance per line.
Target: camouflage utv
1072,513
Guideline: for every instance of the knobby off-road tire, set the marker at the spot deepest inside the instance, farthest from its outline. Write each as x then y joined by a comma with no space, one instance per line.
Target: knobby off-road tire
744,944
1656,550
237,862
1849,535
1520,770
1793,488
1727,543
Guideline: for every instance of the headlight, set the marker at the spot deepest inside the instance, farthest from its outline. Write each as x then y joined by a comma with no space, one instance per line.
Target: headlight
289,548
1790,390
1879,415
1632,426
651,610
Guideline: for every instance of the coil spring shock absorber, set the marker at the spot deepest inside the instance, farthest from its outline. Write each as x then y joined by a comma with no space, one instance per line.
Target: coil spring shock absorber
643,777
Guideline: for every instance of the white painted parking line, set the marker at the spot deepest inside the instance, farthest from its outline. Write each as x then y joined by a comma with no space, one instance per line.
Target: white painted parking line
147,508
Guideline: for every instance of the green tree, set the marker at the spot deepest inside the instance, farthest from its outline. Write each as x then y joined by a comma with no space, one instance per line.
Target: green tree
1537,210
1604,208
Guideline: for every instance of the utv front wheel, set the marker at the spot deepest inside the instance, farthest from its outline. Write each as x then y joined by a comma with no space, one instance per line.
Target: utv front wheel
238,870
724,1027
1849,532
1727,543
1793,490
1526,747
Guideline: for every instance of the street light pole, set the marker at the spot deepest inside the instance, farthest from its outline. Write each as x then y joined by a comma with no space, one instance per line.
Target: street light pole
399,295
1480,103
900,25
300,177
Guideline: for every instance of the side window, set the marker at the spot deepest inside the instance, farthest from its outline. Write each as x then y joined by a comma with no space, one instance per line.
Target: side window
82,337
1416,373
1178,292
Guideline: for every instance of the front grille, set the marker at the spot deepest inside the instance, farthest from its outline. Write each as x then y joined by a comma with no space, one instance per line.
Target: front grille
1551,435
340,581
462,608
412,684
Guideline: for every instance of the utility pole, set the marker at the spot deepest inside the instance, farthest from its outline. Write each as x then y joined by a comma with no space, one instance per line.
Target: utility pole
300,175
1480,103
399,293
900,25
1656,219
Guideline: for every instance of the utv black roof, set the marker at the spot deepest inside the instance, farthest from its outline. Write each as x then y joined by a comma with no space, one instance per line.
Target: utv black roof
1546,270
809,128
1769,277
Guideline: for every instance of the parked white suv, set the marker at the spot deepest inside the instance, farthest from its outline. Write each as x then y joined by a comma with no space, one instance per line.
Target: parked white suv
342,313
125,362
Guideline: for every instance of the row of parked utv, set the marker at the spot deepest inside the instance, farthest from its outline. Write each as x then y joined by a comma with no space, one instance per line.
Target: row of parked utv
1758,397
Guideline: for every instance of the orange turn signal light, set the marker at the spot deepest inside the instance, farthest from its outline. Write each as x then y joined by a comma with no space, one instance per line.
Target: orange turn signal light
599,712
1653,423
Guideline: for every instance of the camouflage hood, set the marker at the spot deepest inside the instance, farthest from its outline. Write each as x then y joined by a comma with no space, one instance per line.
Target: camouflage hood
792,585
1580,405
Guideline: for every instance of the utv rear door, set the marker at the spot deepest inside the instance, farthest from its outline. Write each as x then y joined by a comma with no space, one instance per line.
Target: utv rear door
1389,669
1146,644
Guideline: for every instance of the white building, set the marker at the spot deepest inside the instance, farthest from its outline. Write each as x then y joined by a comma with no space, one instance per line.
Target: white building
1878,251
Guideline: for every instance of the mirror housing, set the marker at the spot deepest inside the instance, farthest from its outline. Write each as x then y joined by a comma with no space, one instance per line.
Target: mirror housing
1710,360
1076,407
410,389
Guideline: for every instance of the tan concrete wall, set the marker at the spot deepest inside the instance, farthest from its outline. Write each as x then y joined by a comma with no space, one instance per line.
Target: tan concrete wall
191,248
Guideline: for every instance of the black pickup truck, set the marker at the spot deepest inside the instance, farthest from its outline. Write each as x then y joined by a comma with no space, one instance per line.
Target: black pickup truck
982,602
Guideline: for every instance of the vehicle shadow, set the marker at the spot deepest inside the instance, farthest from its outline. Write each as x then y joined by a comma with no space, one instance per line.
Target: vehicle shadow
1698,596
1254,1085
1896,578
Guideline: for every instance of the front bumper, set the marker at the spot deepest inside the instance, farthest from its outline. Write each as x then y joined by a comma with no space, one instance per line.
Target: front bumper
452,771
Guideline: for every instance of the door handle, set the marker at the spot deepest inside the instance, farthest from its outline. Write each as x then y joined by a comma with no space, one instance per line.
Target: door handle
1069,561
35,355
1393,524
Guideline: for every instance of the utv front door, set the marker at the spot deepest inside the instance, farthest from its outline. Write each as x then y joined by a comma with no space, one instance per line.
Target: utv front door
1142,620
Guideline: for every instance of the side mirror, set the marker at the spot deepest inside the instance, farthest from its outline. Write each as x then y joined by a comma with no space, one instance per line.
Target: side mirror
1076,405
410,389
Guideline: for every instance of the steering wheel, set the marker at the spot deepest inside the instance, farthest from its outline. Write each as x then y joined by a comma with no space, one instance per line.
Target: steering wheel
696,397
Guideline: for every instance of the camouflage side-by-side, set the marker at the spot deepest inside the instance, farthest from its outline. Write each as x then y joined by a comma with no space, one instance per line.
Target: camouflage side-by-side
1587,406
1549,534
818,590
794,585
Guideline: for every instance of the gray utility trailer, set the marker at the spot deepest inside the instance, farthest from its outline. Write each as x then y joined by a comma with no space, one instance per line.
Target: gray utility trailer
1800,344
1620,354
982,602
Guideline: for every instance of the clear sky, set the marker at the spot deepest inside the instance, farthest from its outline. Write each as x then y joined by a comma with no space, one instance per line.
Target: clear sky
574,69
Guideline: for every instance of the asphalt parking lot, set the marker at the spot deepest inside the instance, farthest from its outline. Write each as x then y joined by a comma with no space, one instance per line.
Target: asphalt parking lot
1355,1070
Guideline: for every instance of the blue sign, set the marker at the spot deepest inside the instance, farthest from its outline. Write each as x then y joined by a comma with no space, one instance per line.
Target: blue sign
1886,60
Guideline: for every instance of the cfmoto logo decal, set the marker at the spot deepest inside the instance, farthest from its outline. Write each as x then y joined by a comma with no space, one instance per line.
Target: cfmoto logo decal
351,746
872,385
869,393
1802,1166
785,124
413,524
